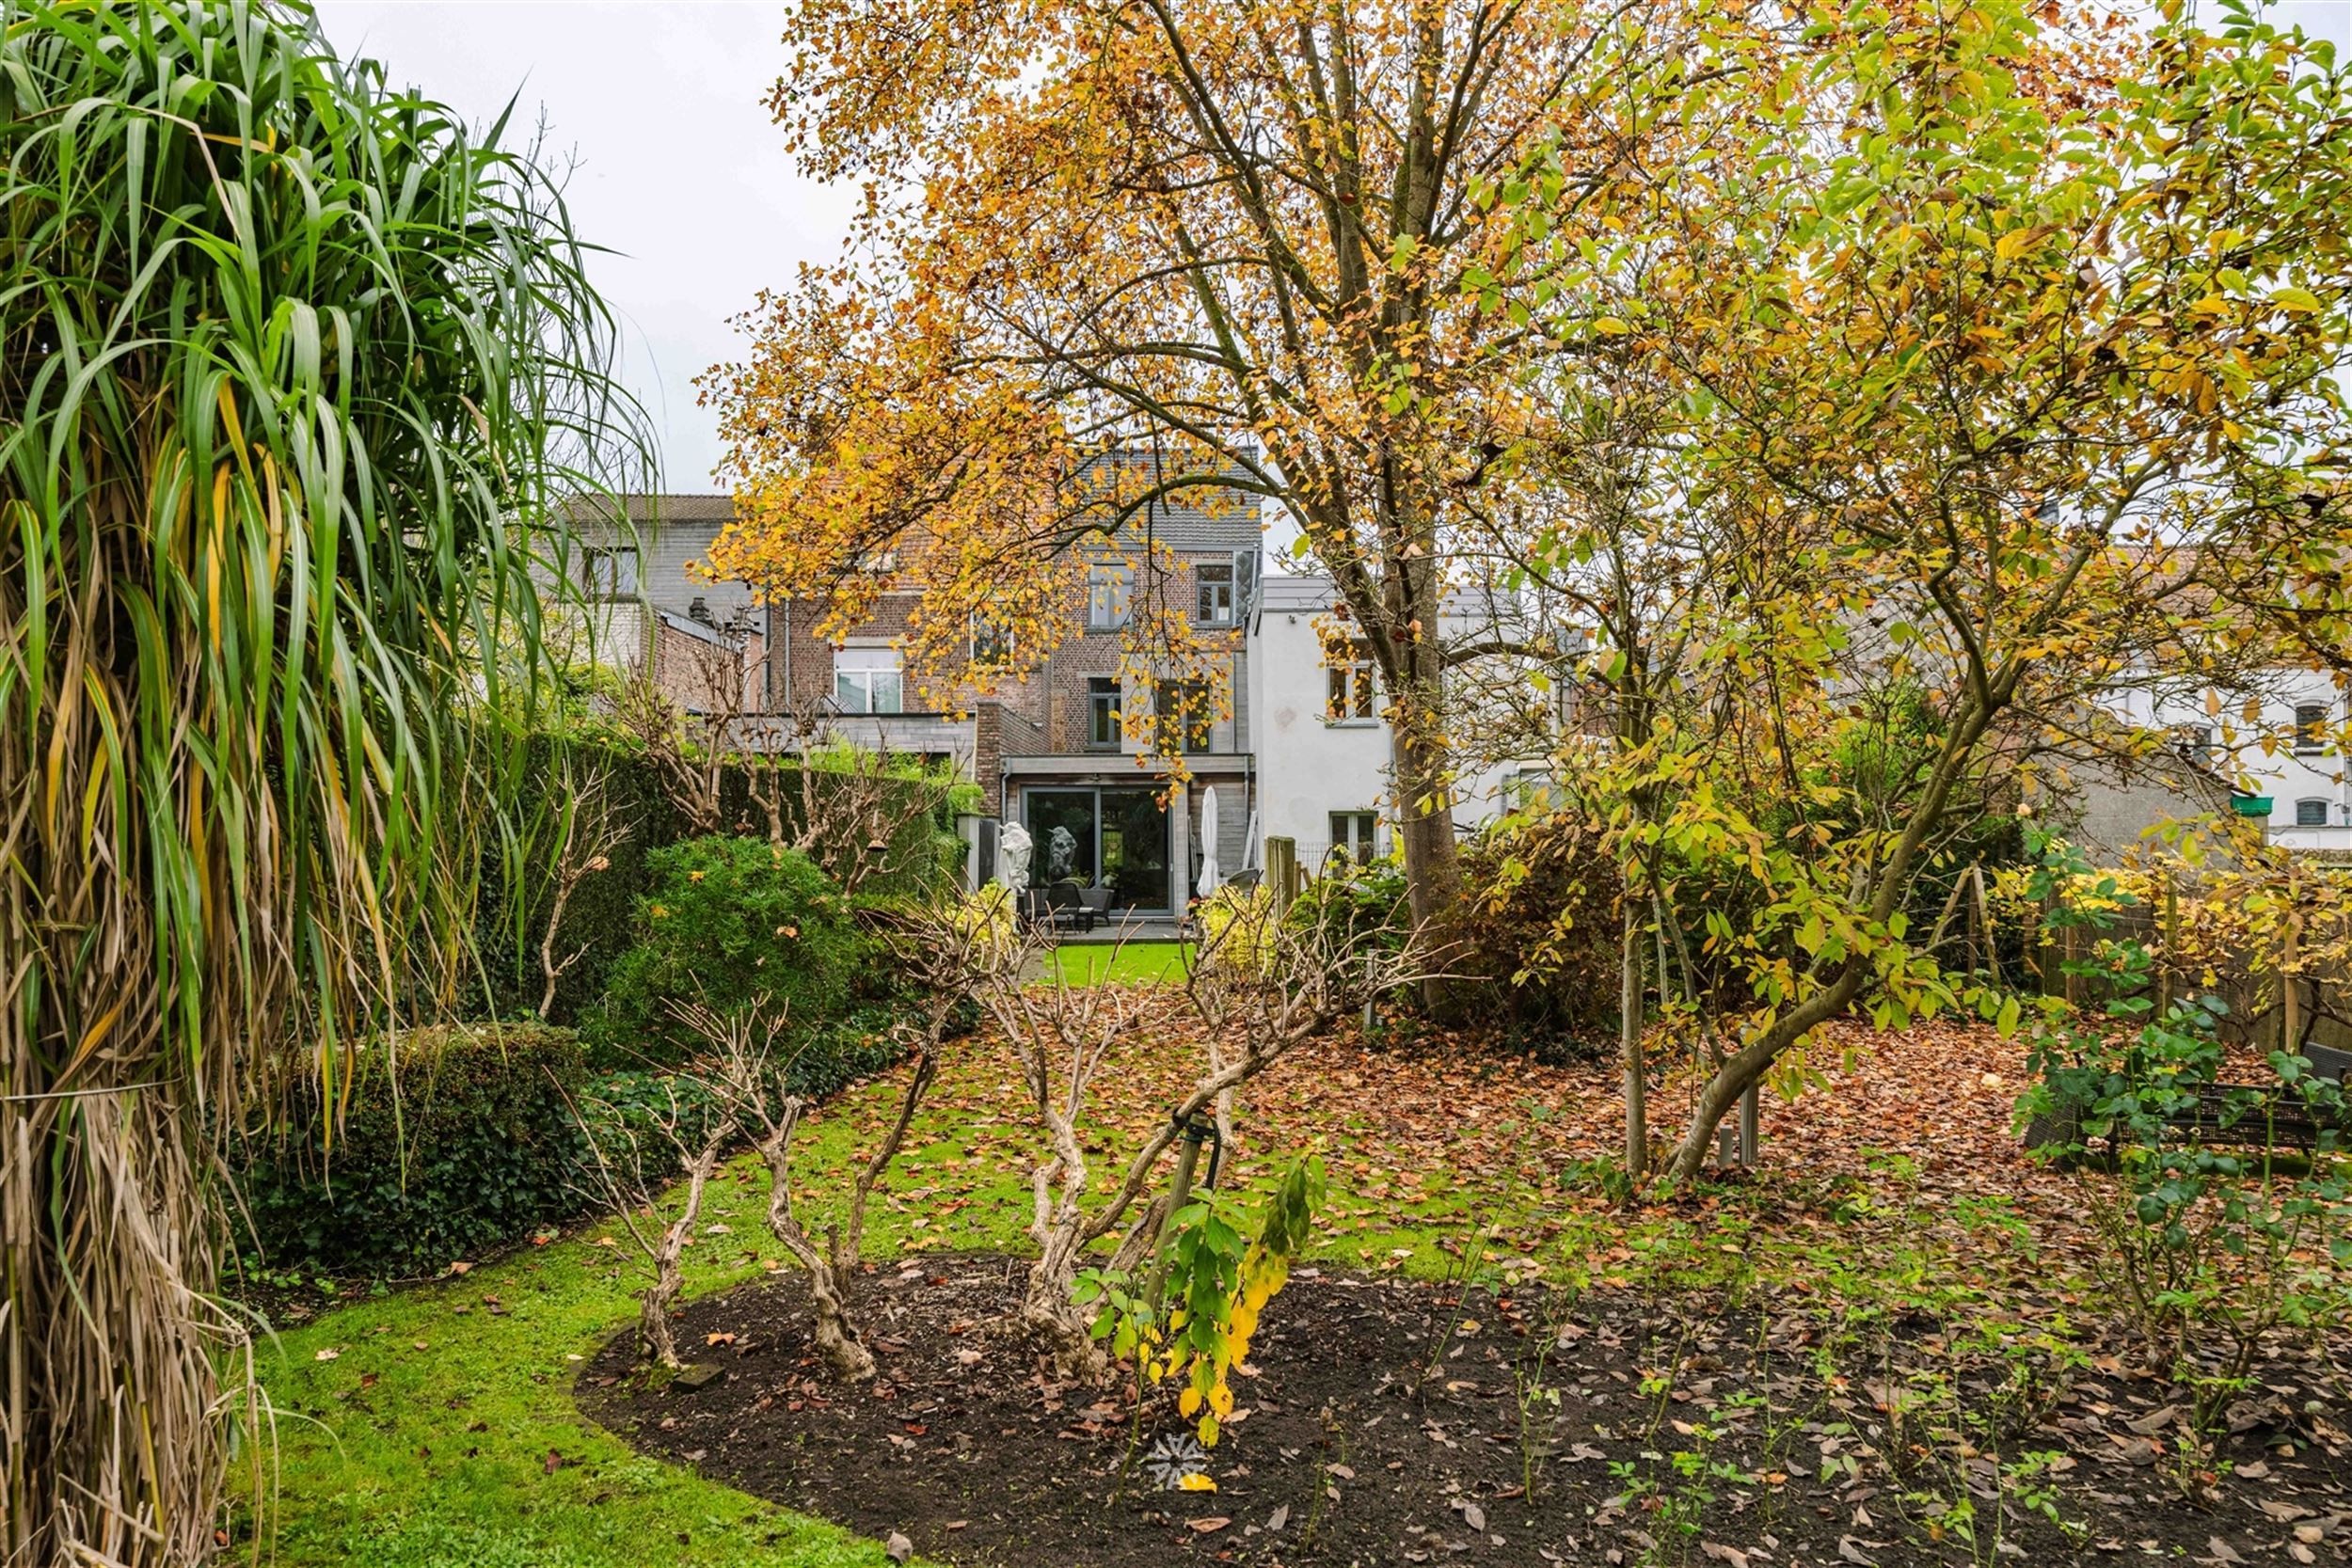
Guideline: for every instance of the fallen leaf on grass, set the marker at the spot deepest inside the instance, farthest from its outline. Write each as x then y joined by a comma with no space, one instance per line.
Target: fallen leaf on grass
327,1355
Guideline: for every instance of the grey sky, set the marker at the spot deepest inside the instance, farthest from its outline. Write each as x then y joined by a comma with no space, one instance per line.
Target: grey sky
679,169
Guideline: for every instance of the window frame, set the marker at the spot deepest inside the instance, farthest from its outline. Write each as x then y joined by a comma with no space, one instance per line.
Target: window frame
1208,576
1343,839
1199,725
865,664
2316,817
1105,699
1351,690
2311,735
601,581
1110,596
983,629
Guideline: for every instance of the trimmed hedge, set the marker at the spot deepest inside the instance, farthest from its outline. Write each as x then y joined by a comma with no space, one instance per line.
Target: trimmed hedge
494,1153
491,1153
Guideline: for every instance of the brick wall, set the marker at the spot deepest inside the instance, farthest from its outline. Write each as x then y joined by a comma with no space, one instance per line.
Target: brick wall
696,673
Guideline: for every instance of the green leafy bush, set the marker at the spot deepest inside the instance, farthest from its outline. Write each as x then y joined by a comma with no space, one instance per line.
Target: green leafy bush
1359,908
2209,1245
473,1147
726,921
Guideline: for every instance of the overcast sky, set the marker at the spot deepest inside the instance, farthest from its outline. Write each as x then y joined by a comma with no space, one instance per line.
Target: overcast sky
680,171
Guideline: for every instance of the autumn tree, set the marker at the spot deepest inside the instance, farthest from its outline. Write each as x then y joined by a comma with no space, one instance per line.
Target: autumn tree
1247,243
1997,340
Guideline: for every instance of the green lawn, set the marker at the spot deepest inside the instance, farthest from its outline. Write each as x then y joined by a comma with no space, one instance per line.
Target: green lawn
1143,964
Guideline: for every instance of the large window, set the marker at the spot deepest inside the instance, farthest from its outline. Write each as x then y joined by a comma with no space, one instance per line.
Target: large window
1352,834
2311,813
868,680
1103,721
609,572
2311,728
1115,840
1213,590
1184,716
1110,591
1352,697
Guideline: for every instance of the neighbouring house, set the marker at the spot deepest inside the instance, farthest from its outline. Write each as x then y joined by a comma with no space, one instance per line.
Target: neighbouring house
1072,749
1325,774
2299,786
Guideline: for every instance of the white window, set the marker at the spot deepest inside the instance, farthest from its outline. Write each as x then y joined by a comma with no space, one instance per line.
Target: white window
1109,591
1214,587
2311,813
1351,690
2311,727
609,570
868,680
1353,834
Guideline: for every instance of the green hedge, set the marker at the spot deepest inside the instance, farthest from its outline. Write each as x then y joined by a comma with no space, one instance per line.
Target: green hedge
476,1149
493,1150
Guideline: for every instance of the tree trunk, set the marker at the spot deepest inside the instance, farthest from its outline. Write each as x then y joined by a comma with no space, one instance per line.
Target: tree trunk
1050,1316
1432,862
1630,1042
836,1339
1745,1067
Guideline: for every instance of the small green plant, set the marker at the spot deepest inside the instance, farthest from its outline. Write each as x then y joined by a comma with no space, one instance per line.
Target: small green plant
1217,1283
1537,1398
1463,1274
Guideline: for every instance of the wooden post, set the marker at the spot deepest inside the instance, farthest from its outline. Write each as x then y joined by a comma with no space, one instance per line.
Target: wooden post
2047,954
2290,994
2167,942
1629,1043
1281,869
1187,1154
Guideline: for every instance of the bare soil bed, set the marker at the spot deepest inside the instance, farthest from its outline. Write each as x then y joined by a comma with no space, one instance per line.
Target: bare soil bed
1391,1422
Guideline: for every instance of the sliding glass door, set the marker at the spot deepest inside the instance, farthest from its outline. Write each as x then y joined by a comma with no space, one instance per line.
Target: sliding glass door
1110,839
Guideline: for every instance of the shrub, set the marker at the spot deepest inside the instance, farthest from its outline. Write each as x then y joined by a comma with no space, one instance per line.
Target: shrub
1358,908
726,920
2206,1248
476,1149
1539,922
